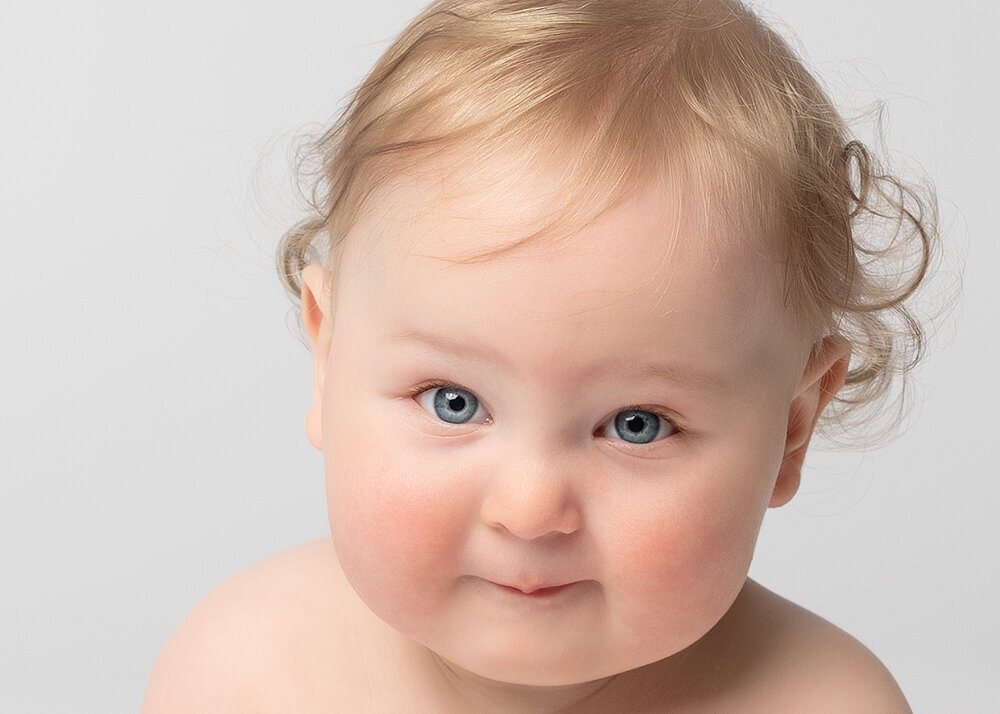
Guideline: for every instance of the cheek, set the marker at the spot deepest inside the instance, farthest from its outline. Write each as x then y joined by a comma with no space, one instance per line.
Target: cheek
396,523
683,563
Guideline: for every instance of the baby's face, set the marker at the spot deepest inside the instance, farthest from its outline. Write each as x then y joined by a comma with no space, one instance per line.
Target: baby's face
551,465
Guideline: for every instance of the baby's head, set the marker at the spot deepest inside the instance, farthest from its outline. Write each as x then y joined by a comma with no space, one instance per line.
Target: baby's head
589,277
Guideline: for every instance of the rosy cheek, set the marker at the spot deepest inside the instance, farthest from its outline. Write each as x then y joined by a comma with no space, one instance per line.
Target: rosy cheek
687,560
390,514
666,556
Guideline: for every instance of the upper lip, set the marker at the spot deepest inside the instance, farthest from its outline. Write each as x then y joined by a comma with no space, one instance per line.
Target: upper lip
528,587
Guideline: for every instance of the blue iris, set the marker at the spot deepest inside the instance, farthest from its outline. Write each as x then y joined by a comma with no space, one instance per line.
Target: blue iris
455,405
637,426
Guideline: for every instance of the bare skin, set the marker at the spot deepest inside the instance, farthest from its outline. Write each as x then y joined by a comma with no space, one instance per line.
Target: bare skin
290,635
443,528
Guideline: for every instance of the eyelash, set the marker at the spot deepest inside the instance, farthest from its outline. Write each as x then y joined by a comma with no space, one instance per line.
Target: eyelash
671,423
431,384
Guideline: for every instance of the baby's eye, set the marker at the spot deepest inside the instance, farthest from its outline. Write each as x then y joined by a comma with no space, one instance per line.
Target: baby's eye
637,426
453,405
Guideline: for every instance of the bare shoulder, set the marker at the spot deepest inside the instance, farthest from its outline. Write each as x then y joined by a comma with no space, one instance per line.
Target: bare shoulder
280,617
808,664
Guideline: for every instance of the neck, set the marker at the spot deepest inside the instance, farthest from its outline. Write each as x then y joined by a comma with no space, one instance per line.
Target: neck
485,695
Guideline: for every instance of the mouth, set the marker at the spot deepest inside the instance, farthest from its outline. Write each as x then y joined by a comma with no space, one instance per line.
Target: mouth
536,592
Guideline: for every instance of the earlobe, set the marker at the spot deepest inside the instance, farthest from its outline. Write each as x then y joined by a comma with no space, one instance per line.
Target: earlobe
316,313
823,377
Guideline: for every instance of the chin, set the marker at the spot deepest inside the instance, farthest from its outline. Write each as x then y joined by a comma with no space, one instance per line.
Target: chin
536,667
525,674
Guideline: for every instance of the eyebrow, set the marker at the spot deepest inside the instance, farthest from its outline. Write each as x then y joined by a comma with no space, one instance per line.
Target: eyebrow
443,343
675,373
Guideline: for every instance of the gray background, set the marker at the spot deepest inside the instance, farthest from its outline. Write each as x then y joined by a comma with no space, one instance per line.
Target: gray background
152,395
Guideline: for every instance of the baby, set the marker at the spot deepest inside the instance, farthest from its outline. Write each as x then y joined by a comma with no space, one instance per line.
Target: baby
582,279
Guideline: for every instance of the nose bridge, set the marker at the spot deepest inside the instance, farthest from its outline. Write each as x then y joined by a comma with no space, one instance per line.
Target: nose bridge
533,493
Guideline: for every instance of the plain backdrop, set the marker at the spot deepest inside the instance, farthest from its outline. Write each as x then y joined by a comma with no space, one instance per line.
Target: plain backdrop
153,388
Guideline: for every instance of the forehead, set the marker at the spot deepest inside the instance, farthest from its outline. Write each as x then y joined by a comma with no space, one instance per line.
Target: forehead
435,252
466,207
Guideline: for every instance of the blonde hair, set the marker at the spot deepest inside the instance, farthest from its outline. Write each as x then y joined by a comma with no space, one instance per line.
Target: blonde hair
622,89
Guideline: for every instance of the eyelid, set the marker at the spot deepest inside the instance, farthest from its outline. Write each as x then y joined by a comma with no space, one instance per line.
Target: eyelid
425,386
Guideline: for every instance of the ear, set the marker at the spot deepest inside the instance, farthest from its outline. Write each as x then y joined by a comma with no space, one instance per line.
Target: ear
823,377
317,310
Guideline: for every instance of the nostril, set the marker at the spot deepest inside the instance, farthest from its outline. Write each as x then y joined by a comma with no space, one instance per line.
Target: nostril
525,534
532,521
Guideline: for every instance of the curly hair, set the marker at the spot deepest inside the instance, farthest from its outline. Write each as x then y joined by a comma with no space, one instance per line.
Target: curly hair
622,90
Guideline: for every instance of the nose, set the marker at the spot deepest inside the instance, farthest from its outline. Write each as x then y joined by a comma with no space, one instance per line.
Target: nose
532,499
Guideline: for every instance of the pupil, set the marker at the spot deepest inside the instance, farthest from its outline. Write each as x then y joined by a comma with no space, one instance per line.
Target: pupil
635,424
456,402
